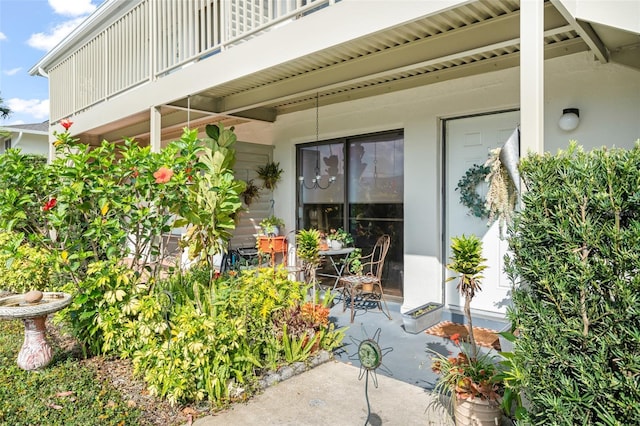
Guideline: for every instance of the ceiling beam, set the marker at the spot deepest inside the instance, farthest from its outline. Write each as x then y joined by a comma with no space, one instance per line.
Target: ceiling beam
208,104
585,31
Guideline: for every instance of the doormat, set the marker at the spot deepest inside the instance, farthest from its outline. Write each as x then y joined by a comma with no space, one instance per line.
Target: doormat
484,336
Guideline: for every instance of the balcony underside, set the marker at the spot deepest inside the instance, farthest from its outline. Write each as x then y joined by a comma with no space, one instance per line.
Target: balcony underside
474,38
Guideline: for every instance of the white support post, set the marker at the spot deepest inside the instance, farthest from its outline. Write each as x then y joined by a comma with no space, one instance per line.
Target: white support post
531,76
155,131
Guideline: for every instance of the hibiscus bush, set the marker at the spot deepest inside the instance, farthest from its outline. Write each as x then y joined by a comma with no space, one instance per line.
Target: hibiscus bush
101,214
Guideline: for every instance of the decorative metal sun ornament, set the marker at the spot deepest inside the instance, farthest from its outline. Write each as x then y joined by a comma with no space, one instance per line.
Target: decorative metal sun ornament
370,356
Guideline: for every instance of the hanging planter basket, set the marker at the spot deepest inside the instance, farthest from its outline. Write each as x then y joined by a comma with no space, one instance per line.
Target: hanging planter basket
270,174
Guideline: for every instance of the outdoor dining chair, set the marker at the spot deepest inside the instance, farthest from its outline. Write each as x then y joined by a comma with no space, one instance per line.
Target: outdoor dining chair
366,286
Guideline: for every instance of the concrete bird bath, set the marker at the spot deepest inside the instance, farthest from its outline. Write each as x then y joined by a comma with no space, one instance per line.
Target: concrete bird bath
32,308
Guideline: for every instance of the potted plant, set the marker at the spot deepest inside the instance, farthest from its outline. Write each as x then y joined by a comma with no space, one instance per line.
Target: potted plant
424,316
474,381
339,238
472,378
270,174
271,226
251,192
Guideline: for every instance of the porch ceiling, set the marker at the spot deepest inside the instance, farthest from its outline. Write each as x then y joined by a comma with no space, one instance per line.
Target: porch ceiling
473,38
477,37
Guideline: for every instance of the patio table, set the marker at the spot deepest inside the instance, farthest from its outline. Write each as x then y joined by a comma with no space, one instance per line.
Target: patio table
336,257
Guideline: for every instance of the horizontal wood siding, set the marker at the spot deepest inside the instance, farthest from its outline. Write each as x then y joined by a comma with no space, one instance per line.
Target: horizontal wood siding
249,157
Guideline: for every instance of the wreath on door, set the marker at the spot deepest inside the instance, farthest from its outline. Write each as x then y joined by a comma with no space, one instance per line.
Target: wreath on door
469,196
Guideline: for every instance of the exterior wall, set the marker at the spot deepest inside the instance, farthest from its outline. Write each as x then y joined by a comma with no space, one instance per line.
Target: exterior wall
608,97
30,144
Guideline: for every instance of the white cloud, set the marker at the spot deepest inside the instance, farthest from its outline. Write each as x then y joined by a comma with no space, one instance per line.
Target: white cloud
38,109
72,7
2,36
47,41
13,71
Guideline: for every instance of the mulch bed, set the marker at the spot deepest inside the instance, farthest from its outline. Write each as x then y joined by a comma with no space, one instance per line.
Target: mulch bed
119,374
484,337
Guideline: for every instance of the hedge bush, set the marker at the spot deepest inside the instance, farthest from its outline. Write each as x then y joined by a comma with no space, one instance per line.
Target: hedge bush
576,263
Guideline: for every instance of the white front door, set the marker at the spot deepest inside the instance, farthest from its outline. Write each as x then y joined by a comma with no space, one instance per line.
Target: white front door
467,143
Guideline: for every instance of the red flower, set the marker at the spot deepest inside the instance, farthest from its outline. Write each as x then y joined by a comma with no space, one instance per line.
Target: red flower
135,172
455,338
49,204
163,175
66,123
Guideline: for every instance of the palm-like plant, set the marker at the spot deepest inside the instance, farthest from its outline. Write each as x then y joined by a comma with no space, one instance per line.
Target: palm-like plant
308,250
467,261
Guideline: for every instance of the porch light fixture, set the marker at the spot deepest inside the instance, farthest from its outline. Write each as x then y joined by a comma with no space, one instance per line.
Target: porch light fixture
315,182
570,119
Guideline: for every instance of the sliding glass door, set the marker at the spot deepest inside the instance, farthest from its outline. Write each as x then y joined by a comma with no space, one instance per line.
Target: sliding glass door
357,184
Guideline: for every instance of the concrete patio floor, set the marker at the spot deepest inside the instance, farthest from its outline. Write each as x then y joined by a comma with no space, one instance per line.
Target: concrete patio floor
331,393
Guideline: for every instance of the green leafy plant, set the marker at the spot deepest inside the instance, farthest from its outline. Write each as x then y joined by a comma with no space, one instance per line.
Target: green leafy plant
340,235
467,261
214,198
308,250
574,265
270,174
512,377
354,262
24,267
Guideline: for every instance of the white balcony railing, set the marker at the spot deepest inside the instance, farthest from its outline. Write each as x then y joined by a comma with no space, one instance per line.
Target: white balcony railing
156,37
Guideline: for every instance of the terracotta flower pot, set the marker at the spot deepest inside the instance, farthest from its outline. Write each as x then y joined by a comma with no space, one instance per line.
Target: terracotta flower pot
477,412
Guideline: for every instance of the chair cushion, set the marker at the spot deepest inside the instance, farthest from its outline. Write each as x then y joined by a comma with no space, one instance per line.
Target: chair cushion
359,279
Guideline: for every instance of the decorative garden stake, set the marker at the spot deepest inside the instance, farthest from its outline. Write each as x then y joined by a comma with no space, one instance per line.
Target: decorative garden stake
370,356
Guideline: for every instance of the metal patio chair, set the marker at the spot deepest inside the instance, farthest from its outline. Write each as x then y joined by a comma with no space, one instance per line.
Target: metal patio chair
367,286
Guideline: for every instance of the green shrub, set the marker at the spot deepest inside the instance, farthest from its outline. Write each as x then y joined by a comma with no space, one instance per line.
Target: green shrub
576,256
22,266
211,339
25,183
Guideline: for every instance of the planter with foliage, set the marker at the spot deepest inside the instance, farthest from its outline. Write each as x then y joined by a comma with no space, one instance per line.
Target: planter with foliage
272,226
339,238
422,317
473,378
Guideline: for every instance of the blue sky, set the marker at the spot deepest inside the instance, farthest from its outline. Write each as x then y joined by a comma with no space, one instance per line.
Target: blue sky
28,30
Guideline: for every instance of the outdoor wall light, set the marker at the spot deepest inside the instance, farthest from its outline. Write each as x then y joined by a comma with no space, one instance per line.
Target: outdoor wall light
570,119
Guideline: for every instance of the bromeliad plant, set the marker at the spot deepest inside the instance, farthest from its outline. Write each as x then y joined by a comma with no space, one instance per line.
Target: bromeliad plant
468,375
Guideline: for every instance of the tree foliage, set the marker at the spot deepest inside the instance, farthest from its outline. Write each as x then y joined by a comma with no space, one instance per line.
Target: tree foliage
576,262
